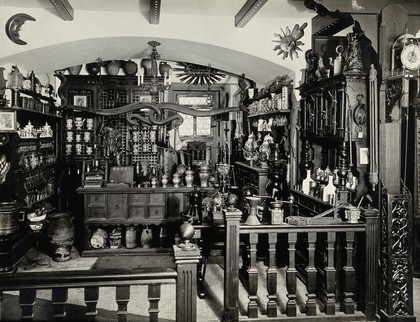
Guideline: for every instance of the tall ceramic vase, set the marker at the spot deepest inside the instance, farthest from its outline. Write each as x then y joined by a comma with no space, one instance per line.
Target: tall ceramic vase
204,176
61,235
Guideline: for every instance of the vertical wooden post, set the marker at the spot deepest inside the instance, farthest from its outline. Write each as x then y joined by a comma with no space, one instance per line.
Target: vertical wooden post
330,275
291,273
231,278
311,276
59,300
91,300
154,297
122,297
253,277
371,218
27,298
349,276
186,260
272,276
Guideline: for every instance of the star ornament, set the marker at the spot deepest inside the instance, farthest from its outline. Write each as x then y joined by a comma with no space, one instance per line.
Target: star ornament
289,41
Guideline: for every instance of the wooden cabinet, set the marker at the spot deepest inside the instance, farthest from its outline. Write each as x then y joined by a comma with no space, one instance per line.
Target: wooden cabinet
157,209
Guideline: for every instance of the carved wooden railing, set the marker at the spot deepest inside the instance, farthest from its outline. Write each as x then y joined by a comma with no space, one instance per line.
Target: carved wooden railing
184,276
337,264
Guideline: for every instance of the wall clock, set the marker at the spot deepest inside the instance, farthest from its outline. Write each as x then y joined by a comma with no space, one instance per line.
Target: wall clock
410,56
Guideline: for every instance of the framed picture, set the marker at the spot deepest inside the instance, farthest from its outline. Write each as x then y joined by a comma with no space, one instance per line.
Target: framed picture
80,100
146,99
8,121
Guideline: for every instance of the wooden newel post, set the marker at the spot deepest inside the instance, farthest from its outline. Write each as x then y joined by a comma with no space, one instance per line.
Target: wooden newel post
231,278
186,260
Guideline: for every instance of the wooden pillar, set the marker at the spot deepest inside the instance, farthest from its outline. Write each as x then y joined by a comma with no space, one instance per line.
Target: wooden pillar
186,260
122,297
311,276
231,278
154,297
91,300
272,276
349,276
27,299
253,277
291,276
371,218
330,275
59,300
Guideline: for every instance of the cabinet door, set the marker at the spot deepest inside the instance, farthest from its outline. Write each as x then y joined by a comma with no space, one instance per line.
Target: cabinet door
117,206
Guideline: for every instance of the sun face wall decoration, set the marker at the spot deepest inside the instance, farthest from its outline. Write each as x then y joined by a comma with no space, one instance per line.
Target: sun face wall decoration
289,42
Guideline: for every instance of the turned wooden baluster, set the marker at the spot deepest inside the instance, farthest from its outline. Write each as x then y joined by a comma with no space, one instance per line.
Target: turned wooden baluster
27,299
311,276
330,274
91,300
122,297
272,276
154,297
291,276
59,299
349,275
253,277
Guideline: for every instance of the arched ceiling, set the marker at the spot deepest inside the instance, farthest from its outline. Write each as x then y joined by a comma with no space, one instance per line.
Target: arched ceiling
173,50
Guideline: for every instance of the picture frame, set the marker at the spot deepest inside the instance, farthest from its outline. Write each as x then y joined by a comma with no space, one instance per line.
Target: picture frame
8,121
80,100
145,99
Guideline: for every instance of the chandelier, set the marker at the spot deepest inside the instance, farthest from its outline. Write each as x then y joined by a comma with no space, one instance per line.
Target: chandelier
149,70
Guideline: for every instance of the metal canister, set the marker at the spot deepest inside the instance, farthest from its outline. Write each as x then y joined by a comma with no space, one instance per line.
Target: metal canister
130,237
9,217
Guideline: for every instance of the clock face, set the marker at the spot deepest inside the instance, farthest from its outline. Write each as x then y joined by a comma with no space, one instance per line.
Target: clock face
97,241
410,57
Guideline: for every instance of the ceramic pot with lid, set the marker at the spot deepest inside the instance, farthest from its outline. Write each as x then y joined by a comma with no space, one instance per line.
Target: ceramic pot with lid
93,68
130,68
113,67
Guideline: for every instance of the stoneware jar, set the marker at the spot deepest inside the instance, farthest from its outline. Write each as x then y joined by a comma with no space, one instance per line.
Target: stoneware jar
113,67
130,68
93,68
61,235
74,70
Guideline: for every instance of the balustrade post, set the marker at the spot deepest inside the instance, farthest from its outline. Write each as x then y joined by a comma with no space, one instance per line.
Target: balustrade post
330,275
272,276
371,218
154,297
311,276
349,276
231,276
59,299
122,297
253,277
27,299
186,260
291,273
91,300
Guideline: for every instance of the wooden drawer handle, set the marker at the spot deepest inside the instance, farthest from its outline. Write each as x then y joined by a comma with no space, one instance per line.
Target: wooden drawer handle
117,207
96,199
156,213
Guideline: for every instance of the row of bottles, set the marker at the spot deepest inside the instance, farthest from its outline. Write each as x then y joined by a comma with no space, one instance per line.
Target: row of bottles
325,184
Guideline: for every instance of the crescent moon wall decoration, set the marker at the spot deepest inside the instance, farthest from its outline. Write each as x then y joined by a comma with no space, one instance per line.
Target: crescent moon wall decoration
14,26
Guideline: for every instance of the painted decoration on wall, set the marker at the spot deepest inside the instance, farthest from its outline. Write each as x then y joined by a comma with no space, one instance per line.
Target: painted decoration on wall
198,75
14,26
289,42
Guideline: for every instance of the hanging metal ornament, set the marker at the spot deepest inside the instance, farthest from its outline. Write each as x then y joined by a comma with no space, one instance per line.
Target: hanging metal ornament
198,74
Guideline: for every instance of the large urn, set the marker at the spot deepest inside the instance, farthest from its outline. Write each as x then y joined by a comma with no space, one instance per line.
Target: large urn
93,68
9,224
61,235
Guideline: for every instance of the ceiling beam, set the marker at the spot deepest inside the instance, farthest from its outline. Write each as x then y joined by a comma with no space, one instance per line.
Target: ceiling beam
64,9
154,13
250,8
